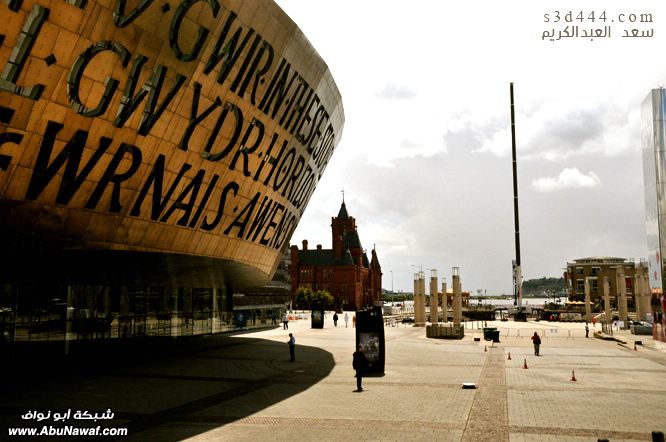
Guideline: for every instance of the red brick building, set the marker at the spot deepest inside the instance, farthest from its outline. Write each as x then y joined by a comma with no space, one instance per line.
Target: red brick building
344,271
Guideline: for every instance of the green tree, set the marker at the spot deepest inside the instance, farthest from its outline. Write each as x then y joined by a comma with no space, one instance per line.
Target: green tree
303,297
321,297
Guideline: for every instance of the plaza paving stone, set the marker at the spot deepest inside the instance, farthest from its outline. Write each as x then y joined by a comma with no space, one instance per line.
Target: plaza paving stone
241,387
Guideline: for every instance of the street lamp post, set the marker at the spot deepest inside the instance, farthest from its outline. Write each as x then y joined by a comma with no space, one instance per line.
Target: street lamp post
392,292
415,287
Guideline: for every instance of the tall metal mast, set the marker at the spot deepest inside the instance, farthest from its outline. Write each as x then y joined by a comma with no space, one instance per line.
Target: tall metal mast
518,292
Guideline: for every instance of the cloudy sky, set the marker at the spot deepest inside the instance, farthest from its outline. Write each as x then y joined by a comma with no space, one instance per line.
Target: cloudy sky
425,156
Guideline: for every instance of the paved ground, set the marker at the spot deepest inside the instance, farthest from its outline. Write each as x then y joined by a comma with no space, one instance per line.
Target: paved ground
242,387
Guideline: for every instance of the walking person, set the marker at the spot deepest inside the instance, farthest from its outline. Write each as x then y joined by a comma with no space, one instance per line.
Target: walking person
587,330
537,342
360,364
285,322
346,320
335,319
292,345
354,321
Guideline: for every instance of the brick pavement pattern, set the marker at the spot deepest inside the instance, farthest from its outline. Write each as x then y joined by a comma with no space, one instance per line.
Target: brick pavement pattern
490,404
241,387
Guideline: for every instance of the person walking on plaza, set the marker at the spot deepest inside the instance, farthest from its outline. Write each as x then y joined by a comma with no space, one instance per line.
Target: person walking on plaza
587,330
335,319
292,345
346,320
537,342
353,321
285,322
360,364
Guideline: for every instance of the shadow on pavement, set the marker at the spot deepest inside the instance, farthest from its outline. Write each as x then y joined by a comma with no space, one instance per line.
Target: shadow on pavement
160,389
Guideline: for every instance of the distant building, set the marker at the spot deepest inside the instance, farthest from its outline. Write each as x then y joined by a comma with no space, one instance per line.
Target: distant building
596,268
466,298
344,271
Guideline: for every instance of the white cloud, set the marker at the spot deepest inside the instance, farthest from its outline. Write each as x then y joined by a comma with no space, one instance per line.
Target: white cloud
556,131
569,178
396,92
425,85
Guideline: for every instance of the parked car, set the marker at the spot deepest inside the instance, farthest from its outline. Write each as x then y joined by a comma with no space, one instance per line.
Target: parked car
408,320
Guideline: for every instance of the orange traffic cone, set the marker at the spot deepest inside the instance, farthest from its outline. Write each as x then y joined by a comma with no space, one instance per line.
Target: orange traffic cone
524,363
509,358
573,376
485,348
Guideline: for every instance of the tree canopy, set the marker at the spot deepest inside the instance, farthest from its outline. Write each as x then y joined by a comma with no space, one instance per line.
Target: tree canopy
306,298
536,287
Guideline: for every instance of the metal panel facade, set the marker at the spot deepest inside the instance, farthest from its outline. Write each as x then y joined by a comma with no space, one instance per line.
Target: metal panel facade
654,176
184,138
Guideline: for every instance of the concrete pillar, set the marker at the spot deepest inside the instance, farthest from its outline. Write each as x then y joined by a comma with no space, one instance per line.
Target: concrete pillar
638,294
416,298
588,307
606,292
422,303
176,321
622,295
215,314
69,318
646,297
457,297
434,312
124,322
445,303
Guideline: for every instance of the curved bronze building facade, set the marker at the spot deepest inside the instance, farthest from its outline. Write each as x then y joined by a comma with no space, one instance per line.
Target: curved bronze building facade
155,158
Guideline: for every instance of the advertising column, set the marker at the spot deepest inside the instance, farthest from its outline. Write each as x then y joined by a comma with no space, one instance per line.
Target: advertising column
370,336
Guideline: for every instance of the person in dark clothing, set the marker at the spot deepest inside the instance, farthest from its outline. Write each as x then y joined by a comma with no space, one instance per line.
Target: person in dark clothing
335,319
587,330
360,364
292,345
536,340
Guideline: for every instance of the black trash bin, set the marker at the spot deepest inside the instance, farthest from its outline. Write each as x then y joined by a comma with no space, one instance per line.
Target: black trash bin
487,333
494,335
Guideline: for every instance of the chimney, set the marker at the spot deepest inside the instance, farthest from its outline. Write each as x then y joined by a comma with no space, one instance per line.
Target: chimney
305,244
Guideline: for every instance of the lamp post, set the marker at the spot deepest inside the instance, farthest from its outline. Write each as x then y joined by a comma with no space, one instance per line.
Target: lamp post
392,292
420,267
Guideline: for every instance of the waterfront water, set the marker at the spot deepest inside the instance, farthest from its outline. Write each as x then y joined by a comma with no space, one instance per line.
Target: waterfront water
409,305
509,302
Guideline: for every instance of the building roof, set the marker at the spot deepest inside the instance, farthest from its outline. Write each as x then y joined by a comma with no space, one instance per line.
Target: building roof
347,259
600,259
351,240
375,261
323,257
342,214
